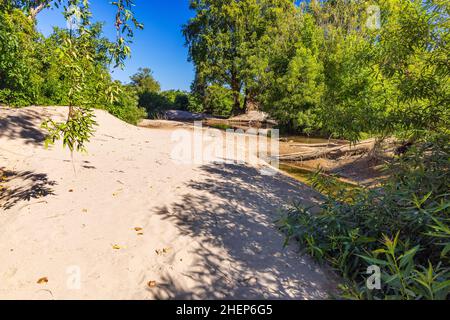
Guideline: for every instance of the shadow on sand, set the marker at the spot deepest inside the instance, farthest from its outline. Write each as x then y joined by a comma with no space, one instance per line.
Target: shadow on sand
27,185
23,126
234,209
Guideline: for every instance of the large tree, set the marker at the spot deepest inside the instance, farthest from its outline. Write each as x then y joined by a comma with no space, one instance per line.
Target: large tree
30,7
228,42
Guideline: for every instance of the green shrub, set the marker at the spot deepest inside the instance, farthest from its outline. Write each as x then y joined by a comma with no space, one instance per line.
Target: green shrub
218,101
19,65
154,103
125,107
409,214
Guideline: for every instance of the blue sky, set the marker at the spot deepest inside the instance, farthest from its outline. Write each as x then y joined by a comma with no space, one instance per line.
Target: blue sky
160,46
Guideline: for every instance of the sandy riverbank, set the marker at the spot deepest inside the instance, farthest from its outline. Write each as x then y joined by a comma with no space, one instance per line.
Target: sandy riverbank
125,215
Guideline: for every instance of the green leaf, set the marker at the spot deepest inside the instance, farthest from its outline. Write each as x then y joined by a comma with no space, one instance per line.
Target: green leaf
373,261
408,256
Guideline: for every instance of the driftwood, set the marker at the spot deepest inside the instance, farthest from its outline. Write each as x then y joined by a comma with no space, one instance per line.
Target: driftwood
315,145
333,152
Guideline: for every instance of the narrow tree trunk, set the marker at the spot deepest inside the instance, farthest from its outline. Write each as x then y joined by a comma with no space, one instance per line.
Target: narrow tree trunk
236,87
34,11
237,104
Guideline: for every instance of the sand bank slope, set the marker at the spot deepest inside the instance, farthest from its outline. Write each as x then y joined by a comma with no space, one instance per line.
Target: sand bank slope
105,224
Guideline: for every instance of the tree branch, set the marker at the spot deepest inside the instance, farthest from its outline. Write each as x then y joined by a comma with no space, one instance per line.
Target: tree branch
34,11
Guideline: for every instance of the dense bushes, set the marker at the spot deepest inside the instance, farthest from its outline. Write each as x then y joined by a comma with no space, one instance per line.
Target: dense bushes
125,106
388,80
19,64
155,103
402,227
33,70
218,101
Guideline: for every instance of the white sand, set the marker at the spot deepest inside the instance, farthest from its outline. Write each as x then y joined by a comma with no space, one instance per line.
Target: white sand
62,218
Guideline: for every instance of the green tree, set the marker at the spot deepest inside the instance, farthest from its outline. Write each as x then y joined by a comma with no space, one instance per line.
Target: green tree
219,101
294,81
414,45
157,102
226,41
19,78
30,7
386,80
178,99
125,106
144,81
78,62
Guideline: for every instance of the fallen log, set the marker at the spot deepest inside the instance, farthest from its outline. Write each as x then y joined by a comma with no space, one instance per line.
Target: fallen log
334,152
315,145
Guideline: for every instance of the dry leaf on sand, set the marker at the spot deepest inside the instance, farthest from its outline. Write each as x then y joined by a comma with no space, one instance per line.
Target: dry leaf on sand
43,280
160,252
115,194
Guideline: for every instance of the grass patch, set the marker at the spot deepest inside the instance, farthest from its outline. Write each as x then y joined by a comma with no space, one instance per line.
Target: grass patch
324,183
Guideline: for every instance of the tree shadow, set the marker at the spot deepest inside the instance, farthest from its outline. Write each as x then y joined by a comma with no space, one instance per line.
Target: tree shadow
234,209
366,170
24,126
26,185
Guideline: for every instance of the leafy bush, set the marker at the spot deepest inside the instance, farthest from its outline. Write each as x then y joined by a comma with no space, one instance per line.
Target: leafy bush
19,65
125,107
154,103
157,102
143,81
27,59
409,214
179,100
218,101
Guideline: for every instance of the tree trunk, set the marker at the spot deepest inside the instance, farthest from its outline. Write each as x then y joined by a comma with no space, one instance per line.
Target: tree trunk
250,102
237,104
34,11
236,87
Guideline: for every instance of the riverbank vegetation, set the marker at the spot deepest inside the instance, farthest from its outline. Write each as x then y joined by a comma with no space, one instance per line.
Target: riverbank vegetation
349,69
69,67
340,69
402,227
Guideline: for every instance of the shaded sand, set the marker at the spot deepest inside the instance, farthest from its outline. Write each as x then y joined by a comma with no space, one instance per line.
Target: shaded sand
203,231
